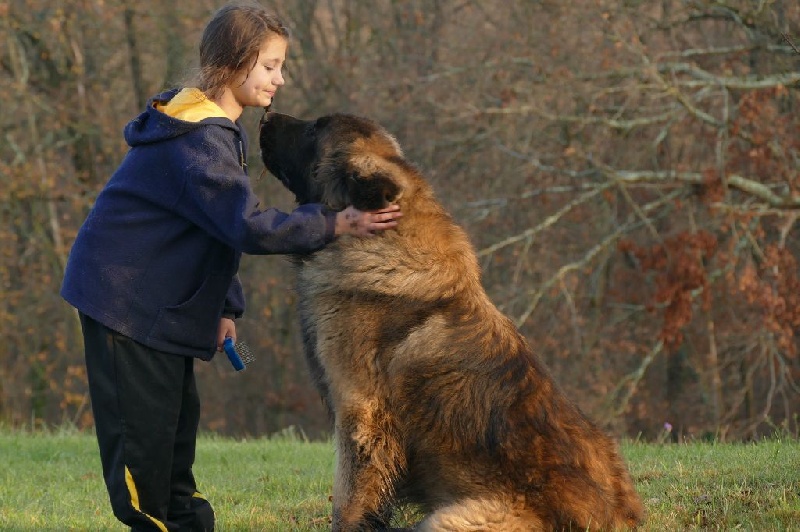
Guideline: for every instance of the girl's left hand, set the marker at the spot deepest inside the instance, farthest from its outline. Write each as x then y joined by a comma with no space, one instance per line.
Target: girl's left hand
352,221
227,327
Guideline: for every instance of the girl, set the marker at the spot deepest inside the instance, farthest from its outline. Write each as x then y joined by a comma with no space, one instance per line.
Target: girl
153,269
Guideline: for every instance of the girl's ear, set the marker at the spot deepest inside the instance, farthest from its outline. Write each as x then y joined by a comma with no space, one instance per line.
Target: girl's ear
372,192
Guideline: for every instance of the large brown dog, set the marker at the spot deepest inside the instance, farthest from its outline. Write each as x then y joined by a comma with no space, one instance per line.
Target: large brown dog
437,399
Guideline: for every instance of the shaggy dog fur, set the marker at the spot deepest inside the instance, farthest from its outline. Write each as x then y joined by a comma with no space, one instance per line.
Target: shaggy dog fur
437,399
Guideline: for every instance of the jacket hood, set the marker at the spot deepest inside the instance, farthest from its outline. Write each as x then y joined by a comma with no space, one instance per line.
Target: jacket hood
152,125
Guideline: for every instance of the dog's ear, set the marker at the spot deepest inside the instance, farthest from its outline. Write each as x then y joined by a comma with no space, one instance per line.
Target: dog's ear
330,179
371,192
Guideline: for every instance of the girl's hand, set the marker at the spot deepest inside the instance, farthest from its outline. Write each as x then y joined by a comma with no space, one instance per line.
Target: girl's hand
352,221
227,327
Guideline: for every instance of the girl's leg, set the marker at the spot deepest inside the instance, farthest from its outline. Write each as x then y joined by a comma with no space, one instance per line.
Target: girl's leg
137,400
188,508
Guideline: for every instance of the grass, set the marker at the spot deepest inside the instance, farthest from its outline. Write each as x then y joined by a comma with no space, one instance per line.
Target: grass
52,481
707,486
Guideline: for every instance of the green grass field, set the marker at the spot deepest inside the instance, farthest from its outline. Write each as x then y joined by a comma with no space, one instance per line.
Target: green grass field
52,481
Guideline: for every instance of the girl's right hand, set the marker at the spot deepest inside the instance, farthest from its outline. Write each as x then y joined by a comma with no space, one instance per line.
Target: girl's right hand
227,327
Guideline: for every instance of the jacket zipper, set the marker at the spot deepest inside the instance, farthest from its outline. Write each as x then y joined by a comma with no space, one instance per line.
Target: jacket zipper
242,162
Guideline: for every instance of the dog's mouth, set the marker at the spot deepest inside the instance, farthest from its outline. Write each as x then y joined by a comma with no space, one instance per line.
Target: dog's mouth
284,179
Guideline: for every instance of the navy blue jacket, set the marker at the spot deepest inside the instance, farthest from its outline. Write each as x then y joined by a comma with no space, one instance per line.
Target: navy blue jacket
156,258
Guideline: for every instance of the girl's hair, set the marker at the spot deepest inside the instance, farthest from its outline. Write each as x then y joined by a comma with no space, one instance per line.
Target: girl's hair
231,42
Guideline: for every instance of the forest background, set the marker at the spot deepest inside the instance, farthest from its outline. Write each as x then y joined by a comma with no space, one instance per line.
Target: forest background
627,171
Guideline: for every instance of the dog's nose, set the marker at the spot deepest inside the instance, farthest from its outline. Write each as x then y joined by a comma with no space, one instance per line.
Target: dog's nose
264,116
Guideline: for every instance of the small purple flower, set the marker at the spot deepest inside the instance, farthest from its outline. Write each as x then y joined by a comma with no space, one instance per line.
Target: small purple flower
667,426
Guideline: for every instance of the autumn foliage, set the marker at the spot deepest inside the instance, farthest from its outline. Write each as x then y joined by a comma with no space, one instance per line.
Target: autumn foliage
627,171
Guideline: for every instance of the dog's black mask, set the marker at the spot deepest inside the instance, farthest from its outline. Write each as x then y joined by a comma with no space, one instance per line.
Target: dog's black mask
312,158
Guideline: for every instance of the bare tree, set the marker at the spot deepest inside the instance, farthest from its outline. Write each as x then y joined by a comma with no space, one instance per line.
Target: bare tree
627,172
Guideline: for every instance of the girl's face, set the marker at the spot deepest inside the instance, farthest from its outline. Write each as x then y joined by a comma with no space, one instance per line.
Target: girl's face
257,87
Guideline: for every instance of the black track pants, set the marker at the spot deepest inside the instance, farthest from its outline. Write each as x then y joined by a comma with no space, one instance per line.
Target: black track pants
146,411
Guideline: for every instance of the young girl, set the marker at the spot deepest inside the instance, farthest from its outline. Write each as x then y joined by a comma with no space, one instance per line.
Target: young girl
153,269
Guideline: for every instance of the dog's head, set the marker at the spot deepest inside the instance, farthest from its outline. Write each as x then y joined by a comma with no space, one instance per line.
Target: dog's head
337,160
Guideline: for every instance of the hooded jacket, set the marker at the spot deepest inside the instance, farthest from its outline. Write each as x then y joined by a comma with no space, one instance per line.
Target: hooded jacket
156,258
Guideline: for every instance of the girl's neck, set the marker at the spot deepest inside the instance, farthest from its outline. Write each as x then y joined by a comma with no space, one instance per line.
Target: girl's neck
227,102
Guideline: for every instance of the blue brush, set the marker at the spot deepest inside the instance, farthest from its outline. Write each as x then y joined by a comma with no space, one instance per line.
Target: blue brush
239,354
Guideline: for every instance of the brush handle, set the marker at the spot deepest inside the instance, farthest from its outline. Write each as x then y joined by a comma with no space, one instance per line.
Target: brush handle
233,356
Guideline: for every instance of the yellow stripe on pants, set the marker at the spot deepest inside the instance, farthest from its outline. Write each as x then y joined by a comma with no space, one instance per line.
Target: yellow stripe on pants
135,500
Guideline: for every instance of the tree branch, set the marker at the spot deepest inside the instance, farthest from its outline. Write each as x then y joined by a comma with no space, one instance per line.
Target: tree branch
789,41
593,252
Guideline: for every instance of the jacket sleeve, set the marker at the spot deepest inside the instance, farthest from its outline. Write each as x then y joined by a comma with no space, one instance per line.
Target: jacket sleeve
234,300
218,197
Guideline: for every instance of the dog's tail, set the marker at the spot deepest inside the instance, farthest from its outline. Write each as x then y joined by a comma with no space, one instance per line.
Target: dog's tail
482,515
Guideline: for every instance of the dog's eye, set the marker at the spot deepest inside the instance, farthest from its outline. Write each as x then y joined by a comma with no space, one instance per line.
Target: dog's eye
321,122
